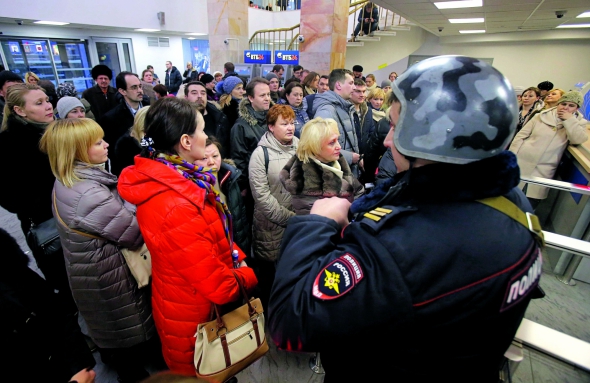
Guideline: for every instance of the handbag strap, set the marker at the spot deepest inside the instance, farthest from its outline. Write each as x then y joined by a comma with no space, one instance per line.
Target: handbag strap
251,310
67,227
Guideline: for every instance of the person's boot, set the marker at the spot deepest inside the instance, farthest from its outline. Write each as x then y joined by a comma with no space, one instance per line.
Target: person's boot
352,39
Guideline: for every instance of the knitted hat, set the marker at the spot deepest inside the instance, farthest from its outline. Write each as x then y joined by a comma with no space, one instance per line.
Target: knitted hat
385,83
66,104
227,85
545,85
357,68
207,78
66,89
99,70
572,96
270,76
7,75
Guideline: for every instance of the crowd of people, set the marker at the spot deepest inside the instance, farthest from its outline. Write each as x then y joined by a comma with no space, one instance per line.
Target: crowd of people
202,165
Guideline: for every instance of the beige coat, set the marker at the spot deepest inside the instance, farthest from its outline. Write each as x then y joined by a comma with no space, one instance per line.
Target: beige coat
540,144
272,203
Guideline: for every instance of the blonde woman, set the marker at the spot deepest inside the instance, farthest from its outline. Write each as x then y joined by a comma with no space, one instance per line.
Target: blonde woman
129,145
94,223
552,98
232,91
318,169
31,78
375,100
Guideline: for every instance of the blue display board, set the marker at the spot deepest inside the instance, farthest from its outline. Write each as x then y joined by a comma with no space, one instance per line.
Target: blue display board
257,57
287,57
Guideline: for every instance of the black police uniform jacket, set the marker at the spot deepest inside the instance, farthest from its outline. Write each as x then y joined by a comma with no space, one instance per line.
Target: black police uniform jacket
433,289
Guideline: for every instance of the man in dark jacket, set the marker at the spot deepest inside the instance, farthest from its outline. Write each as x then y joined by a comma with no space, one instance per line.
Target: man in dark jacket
250,126
7,78
173,78
102,96
118,121
441,258
363,115
216,123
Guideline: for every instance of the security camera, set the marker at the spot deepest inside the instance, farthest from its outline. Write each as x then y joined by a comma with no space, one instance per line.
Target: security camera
19,22
559,14
440,29
301,38
226,41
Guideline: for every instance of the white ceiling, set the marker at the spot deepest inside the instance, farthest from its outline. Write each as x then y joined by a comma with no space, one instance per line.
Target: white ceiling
500,15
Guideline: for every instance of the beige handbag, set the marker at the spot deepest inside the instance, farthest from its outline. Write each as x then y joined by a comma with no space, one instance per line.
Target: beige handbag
232,342
138,261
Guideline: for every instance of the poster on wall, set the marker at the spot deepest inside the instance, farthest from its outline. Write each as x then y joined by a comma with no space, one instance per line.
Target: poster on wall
200,55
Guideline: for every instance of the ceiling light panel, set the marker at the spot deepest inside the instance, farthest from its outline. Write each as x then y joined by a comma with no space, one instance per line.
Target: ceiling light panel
458,4
467,21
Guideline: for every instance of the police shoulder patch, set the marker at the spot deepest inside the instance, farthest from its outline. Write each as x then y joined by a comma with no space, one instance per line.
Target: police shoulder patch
338,278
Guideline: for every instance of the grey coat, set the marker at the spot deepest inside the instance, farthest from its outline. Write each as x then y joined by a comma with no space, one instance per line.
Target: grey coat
272,203
118,314
331,105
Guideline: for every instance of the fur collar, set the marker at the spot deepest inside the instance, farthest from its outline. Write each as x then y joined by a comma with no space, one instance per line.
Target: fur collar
312,179
252,117
443,182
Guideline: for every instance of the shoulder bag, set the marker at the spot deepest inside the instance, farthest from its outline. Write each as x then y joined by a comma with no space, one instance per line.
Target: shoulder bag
232,342
138,261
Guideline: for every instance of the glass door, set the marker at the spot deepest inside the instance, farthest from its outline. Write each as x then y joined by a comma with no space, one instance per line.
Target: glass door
115,53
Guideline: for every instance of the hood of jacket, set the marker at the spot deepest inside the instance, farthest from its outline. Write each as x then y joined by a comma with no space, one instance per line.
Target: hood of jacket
148,178
95,173
252,117
330,97
272,143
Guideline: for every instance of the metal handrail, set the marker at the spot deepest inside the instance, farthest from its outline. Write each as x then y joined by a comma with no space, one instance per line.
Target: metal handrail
554,184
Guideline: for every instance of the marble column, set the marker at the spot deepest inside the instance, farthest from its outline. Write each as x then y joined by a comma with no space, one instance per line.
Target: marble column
228,21
324,25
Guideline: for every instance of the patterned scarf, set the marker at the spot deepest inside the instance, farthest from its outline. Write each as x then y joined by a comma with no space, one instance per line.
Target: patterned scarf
205,179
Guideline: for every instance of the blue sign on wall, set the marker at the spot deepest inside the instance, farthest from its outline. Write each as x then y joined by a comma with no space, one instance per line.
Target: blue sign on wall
257,57
287,57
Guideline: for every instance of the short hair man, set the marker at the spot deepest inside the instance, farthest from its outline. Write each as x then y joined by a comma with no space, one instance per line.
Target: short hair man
216,123
335,103
118,120
363,115
545,87
7,79
250,126
173,78
323,84
274,85
102,96
297,71
403,246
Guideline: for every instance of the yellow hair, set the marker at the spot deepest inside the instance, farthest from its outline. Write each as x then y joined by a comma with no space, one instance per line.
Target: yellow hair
313,134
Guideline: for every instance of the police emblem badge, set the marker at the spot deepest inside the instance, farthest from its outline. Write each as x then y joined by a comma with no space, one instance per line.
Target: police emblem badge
338,278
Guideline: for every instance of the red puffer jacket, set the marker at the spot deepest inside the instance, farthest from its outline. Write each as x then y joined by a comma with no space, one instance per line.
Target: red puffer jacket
191,260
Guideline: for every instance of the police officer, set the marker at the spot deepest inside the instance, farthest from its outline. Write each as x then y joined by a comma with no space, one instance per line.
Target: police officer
433,276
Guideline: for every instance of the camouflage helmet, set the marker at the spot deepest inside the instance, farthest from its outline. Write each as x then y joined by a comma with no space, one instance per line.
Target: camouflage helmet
454,109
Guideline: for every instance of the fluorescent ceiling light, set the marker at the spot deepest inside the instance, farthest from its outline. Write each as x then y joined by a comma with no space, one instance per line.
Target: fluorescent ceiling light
574,26
50,22
458,4
192,38
585,14
474,31
196,34
146,30
466,21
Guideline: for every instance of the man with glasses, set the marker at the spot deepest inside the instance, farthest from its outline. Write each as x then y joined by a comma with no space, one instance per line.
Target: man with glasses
118,121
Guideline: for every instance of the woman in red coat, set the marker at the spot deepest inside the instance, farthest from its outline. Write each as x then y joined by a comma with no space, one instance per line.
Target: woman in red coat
185,226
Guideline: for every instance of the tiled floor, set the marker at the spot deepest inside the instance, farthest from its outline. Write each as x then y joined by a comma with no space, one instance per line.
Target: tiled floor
565,308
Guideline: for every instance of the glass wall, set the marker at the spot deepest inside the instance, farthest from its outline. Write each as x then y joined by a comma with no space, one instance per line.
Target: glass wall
53,60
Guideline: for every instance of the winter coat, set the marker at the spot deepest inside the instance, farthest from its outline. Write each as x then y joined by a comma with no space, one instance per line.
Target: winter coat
301,117
367,125
387,168
117,313
99,102
371,13
231,111
228,177
26,195
191,259
221,129
173,80
308,105
28,306
124,151
190,75
116,123
375,149
309,182
272,203
540,144
331,105
245,135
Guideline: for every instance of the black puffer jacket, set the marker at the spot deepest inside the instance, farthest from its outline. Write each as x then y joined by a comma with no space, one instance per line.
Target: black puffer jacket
221,128
228,177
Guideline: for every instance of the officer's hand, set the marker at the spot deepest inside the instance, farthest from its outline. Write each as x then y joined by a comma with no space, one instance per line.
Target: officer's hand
84,376
334,208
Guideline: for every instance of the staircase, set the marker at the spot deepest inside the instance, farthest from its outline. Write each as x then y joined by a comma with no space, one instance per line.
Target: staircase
389,24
